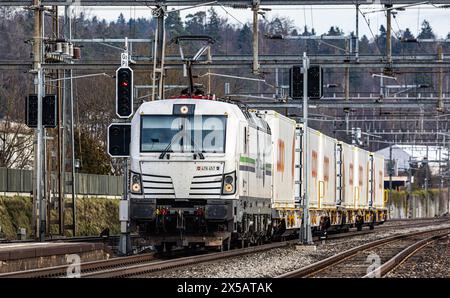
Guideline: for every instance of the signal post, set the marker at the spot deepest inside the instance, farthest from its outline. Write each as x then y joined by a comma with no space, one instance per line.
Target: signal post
119,136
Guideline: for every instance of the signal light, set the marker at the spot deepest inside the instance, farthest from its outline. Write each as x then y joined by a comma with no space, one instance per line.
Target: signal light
124,92
315,86
49,108
119,137
31,107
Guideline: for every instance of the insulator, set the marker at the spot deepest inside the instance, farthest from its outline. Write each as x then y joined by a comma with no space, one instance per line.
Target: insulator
70,49
65,48
59,47
76,53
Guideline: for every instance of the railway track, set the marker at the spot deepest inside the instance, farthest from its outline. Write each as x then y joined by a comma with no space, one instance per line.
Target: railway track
358,261
148,263
133,265
61,271
418,224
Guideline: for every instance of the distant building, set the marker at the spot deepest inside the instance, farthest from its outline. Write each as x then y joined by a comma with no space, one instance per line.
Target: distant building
400,159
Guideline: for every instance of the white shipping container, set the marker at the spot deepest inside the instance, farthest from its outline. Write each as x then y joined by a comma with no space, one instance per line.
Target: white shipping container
321,170
283,157
378,181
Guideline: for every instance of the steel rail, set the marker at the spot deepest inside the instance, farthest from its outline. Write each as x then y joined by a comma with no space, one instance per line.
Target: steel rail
61,271
325,263
402,226
169,264
403,256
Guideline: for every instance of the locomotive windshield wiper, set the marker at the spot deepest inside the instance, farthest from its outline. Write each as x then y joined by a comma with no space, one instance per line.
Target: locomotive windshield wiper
200,154
161,156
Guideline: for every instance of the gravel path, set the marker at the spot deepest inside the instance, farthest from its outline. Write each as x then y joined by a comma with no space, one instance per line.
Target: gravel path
277,261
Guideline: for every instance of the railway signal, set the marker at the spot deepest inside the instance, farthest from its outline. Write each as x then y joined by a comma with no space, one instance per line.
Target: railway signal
124,92
315,84
48,111
119,137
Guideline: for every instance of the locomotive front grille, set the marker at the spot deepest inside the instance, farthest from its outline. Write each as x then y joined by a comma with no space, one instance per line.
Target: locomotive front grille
209,186
158,186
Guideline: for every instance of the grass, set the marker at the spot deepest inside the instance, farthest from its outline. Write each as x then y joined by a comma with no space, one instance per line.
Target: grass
93,215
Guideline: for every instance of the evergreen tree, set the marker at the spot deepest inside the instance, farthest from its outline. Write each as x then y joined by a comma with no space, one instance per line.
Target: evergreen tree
364,45
306,32
174,25
244,42
195,23
426,31
121,19
381,39
276,26
407,47
213,27
335,31
407,34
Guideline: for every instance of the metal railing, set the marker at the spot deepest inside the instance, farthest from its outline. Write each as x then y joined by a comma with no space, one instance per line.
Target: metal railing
21,181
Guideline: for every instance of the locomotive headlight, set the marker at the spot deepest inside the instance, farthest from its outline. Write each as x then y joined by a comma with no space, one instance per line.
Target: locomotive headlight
229,183
228,188
136,185
184,110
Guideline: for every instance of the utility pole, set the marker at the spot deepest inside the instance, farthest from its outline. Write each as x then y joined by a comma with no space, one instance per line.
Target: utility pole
255,9
357,34
440,103
39,205
388,34
159,53
68,128
347,72
60,133
307,236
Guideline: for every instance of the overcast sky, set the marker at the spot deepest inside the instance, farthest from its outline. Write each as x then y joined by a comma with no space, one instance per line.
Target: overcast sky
319,17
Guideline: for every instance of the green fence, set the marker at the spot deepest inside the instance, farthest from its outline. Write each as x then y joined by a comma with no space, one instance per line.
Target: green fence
13,180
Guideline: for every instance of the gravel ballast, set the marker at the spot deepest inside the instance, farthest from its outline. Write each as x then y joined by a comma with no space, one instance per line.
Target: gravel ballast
277,261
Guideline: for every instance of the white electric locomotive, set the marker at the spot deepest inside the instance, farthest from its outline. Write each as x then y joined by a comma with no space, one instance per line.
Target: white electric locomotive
207,172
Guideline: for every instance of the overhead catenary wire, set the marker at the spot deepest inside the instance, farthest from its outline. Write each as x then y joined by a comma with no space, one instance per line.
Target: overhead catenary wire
228,13
236,77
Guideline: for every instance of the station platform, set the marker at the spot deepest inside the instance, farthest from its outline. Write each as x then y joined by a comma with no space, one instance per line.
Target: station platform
26,256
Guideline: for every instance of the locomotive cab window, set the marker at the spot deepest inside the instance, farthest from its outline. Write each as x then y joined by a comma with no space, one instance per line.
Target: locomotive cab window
193,133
